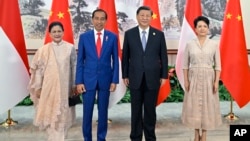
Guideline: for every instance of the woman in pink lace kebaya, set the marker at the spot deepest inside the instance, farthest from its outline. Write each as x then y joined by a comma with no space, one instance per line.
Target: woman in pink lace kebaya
52,82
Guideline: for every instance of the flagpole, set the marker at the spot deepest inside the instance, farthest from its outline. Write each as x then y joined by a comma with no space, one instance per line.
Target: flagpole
9,121
231,116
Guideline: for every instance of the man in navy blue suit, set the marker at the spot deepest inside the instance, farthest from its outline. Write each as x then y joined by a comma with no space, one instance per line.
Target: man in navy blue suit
97,72
144,70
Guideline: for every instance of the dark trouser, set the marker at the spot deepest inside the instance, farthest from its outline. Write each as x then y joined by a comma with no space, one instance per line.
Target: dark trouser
143,107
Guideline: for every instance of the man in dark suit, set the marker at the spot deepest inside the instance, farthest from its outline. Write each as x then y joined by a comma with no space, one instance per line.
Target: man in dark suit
144,70
97,72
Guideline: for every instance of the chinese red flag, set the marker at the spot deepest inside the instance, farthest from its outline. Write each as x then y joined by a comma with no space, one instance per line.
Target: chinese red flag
60,12
192,11
156,23
14,61
112,25
235,71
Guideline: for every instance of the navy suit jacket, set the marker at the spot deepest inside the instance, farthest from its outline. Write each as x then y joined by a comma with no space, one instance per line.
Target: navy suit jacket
152,62
92,70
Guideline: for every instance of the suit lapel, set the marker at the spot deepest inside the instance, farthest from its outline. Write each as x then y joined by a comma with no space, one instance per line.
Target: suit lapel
150,38
92,45
104,41
137,38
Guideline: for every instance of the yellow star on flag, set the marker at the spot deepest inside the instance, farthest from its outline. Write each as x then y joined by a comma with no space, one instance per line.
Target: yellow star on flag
239,18
50,13
229,16
154,16
60,15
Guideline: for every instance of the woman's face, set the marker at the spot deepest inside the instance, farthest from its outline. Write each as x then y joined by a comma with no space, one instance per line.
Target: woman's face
201,29
56,33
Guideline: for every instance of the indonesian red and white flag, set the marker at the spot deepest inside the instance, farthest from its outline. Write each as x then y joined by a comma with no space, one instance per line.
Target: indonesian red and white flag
112,25
14,62
192,10
156,23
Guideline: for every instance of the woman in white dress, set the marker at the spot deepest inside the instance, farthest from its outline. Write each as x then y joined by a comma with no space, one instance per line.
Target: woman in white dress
201,68
52,82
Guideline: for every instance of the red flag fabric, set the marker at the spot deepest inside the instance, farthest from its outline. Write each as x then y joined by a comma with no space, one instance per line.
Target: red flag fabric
235,71
14,62
60,12
193,10
112,25
156,23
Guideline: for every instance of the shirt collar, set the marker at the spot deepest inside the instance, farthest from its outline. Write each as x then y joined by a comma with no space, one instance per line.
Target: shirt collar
57,44
140,29
102,31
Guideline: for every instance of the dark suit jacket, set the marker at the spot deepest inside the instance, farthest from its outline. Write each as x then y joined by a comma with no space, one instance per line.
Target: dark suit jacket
153,61
91,69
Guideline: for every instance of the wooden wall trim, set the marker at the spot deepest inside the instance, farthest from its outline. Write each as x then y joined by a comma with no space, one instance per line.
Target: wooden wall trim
170,51
31,51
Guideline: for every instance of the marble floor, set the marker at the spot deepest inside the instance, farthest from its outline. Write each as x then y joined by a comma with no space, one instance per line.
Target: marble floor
168,128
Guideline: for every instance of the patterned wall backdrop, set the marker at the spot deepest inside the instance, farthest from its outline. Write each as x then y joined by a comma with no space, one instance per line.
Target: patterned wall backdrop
35,14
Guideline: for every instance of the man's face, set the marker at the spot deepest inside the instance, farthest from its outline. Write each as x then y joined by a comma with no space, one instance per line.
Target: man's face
144,18
99,20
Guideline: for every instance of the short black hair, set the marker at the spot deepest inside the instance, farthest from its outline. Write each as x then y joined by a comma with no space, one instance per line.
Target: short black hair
55,23
100,10
201,18
144,8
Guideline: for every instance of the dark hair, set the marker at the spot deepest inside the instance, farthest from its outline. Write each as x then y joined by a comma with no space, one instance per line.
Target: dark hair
201,18
100,10
55,23
144,8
